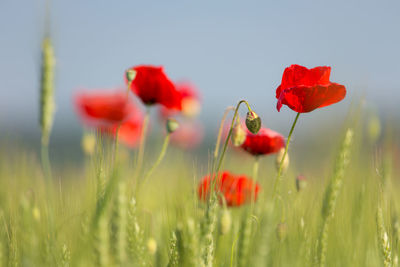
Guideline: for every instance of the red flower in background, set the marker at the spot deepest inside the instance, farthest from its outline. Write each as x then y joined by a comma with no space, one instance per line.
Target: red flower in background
265,142
304,90
236,189
103,108
189,135
129,131
190,102
153,86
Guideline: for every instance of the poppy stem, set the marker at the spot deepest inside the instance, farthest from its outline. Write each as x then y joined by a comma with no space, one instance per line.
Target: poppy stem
279,175
139,161
230,133
159,159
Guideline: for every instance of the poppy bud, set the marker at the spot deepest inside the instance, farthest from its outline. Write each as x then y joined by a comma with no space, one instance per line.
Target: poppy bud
281,230
172,125
301,183
238,135
88,143
130,75
152,246
226,222
279,157
253,122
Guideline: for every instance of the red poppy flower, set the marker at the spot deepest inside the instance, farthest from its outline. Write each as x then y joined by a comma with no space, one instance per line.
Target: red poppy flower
188,136
103,108
236,189
304,90
153,86
190,102
265,142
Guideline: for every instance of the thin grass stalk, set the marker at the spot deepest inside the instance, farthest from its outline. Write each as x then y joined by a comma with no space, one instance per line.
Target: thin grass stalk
331,195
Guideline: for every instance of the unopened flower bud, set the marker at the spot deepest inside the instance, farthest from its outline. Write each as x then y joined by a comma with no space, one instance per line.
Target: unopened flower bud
238,135
130,75
281,230
226,222
172,125
152,246
88,143
301,182
285,163
253,122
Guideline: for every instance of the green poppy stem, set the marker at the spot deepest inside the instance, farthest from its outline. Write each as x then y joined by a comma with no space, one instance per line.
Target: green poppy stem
230,133
221,126
279,174
158,161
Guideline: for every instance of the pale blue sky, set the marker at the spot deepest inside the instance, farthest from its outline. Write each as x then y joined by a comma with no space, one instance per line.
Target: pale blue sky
229,49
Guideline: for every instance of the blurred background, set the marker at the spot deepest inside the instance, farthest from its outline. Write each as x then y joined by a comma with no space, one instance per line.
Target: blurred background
230,50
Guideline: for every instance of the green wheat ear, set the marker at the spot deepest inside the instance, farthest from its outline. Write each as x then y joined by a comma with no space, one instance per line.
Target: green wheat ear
332,193
383,239
47,105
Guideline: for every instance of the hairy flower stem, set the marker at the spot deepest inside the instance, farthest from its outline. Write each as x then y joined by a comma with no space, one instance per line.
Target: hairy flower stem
221,127
278,178
158,161
230,133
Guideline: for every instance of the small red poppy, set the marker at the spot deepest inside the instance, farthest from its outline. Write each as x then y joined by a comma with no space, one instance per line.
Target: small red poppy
103,108
153,86
265,142
236,189
304,90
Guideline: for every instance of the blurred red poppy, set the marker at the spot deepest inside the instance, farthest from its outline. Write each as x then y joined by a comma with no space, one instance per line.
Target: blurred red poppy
188,136
236,189
103,108
265,142
152,86
129,131
190,102
304,90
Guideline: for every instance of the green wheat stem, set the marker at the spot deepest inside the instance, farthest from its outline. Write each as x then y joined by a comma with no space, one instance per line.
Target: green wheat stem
331,195
278,178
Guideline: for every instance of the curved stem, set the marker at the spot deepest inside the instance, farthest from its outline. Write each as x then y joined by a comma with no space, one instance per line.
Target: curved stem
230,133
116,144
158,161
139,161
279,175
